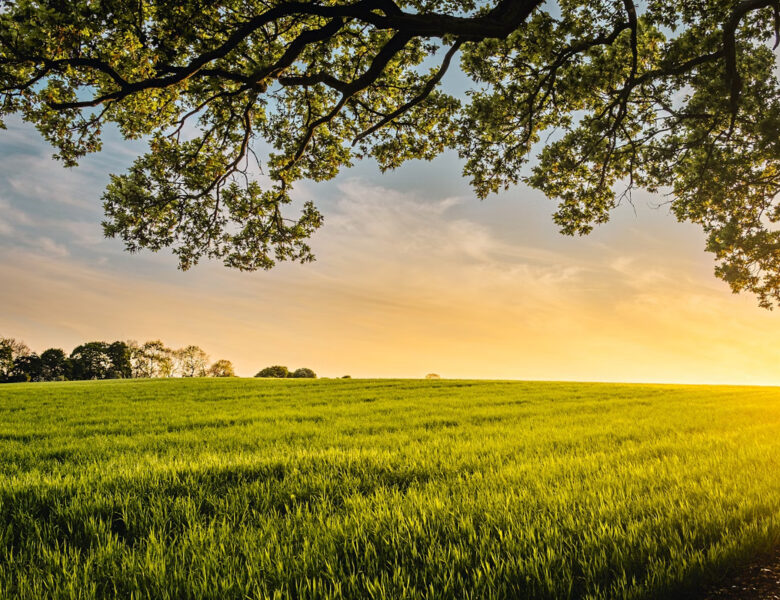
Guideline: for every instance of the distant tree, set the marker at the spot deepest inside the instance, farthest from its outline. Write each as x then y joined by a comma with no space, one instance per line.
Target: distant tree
26,368
278,371
55,365
221,368
346,376
432,376
303,373
91,361
154,359
6,363
18,347
120,355
191,361
136,358
10,350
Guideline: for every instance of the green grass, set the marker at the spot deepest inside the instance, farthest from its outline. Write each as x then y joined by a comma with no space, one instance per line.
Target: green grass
234,489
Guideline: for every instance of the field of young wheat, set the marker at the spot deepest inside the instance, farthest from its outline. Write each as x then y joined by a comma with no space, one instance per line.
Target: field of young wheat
238,488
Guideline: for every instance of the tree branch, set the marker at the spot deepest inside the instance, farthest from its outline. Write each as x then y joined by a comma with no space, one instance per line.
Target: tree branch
426,91
733,79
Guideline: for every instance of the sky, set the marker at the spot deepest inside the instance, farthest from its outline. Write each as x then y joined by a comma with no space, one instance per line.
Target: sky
414,275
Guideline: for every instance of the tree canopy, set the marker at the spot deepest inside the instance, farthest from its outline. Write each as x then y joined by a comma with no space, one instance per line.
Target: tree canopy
192,361
221,368
277,371
303,373
241,99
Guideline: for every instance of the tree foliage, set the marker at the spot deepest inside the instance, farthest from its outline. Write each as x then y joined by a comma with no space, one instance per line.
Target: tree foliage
120,356
91,361
610,96
11,350
55,365
6,358
192,361
103,360
303,373
27,368
277,371
153,359
221,368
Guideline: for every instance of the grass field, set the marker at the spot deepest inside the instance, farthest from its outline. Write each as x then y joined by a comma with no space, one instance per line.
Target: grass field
234,489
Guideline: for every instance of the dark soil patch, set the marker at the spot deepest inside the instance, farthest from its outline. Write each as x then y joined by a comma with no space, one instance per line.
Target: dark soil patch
758,581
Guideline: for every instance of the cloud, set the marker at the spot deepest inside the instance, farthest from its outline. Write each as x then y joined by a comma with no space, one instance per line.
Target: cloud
49,247
12,216
372,228
24,230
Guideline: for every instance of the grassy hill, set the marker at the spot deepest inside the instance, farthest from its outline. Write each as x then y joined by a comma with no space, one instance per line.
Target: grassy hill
241,488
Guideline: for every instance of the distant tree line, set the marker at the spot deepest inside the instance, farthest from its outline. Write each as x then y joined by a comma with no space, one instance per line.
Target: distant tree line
104,360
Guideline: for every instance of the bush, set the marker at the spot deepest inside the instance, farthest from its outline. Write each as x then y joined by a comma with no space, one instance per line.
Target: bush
346,376
275,371
304,373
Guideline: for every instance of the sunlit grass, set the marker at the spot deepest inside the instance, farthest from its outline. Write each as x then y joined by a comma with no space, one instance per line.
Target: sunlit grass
382,489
